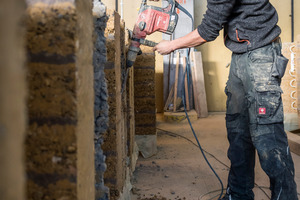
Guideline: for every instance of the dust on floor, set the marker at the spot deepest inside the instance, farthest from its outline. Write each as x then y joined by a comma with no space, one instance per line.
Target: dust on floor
179,172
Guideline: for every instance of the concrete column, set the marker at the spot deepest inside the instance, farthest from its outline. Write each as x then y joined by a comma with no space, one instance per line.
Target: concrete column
12,100
60,136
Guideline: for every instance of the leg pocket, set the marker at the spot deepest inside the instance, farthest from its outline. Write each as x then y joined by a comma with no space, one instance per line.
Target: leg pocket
269,107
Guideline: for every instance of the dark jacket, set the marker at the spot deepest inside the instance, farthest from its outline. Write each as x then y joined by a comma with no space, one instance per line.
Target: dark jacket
248,24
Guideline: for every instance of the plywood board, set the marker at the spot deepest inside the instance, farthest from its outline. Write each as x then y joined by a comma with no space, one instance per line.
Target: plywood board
166,77
196,103
176,82
169,99
186,89
199,85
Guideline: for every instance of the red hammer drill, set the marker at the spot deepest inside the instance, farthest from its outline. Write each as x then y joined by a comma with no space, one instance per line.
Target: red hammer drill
151,19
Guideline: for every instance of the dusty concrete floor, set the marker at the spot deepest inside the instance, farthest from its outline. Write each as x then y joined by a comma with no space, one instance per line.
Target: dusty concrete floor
179,171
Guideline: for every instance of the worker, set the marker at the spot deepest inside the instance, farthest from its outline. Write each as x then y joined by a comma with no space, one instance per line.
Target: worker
254,111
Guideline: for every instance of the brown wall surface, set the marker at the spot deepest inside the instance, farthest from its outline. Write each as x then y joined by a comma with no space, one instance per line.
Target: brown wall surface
12,100
115,140
59,143
144,93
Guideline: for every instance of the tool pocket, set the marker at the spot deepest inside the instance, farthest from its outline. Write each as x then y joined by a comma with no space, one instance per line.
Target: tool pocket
269,107
279,66
259,57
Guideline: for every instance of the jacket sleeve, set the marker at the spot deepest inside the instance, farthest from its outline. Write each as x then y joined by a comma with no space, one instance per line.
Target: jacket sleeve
217,14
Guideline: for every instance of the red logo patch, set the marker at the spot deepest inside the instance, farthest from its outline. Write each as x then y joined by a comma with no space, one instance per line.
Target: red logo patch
262,111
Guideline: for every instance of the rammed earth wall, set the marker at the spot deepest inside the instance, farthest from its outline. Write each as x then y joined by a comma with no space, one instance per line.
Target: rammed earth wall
60,134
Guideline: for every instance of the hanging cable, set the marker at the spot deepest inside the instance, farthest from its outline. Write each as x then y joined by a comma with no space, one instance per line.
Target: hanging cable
184,104
117,6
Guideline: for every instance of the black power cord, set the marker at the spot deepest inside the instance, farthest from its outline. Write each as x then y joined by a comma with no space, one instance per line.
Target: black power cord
183,98
204,151
210,154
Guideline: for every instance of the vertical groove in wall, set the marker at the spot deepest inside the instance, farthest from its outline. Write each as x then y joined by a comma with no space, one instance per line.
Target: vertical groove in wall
101,105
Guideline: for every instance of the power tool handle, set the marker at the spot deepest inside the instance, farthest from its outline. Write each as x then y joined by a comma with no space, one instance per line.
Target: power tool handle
149,43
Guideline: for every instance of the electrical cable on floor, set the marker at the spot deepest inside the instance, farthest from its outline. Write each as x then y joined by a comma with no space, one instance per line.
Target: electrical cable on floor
191,126
183,98
256,185
175,134
187,116
201,149
211,192
168,132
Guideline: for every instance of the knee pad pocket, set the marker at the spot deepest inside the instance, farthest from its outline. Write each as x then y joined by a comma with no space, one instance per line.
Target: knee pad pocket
272,162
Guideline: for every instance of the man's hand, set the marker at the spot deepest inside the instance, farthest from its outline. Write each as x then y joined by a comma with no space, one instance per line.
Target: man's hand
164,47
190,40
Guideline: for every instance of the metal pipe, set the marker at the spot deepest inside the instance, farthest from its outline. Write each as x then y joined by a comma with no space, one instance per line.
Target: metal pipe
292,19
116,5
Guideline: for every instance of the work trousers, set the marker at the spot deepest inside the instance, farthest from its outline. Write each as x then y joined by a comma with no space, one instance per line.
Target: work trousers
254,121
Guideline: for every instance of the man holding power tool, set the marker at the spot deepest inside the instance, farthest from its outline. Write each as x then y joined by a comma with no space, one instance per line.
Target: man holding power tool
254,116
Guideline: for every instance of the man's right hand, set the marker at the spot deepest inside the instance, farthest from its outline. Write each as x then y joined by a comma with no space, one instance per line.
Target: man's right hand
164,47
